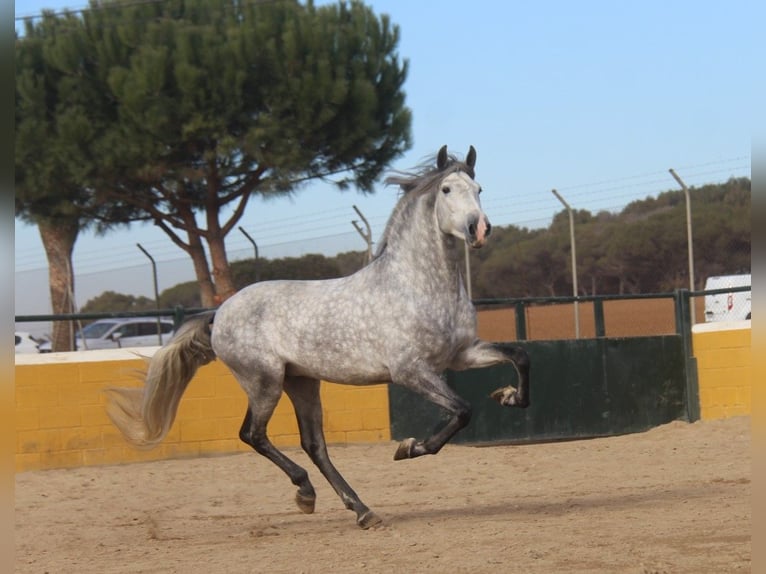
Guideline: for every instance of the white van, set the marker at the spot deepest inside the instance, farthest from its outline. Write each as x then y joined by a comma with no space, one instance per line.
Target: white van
728,306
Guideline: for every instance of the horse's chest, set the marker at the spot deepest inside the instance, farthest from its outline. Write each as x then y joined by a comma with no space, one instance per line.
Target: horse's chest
449,327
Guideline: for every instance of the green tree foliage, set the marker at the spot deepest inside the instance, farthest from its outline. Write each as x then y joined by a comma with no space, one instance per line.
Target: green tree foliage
514,261
110,301
187,108
722,231
350,261
183,294
48,126
45,194
310,266
643,249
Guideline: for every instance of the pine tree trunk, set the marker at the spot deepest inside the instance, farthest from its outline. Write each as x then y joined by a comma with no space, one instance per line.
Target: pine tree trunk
58,240
202,271
224,282
222,277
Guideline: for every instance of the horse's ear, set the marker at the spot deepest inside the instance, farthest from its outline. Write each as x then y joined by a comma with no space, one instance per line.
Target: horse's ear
470,159
441,158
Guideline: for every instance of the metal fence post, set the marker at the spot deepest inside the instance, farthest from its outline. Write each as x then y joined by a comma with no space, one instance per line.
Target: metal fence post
178,316
156,292
521,321
682,298
598,317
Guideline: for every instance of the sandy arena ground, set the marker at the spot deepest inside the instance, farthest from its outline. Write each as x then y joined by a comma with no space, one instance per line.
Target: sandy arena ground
674,499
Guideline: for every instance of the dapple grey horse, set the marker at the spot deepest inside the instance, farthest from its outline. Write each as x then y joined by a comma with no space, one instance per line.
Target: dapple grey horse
403,319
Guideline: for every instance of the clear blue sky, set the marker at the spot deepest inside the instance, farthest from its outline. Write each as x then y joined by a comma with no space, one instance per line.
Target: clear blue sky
595,99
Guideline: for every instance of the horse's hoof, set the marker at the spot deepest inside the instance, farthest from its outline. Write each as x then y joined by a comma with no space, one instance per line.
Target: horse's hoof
509,397
405,449
305,503
503,395
368,520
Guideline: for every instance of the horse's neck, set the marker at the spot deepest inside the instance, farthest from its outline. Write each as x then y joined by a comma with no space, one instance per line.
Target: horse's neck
429,256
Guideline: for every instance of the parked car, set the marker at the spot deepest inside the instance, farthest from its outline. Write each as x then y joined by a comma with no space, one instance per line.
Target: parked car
728,306
26,343
118,333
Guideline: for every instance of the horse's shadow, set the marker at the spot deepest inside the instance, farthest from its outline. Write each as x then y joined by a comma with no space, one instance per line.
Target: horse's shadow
394,515
568,503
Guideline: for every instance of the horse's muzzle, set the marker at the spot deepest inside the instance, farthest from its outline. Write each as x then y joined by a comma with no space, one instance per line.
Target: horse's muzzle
479,229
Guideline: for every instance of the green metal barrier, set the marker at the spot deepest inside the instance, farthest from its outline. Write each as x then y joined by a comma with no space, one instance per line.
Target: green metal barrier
579,388
585,387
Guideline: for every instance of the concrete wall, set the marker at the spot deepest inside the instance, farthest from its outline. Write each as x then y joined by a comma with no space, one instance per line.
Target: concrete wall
61,420
724,368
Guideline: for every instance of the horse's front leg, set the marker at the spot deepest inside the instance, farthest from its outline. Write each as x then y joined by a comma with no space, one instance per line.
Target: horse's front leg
425,382
485,354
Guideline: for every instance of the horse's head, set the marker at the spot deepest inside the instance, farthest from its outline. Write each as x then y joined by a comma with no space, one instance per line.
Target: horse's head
458,209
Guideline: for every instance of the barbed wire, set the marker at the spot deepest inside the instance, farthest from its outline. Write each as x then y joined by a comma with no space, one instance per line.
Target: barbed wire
535,211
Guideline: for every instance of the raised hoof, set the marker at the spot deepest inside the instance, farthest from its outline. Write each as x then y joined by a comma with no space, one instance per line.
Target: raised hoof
369,520
509,397
405,449
305,503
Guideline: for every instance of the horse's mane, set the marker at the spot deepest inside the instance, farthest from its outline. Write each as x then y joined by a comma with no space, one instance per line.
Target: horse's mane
414,184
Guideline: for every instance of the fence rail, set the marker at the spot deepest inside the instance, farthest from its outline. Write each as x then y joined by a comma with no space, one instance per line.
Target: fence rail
595,317
179,314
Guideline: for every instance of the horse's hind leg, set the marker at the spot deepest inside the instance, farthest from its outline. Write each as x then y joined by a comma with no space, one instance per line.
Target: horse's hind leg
253,432
508,396
304,394
484,354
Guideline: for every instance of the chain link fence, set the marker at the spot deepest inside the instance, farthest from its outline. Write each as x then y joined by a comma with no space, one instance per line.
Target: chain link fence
605,316
724,298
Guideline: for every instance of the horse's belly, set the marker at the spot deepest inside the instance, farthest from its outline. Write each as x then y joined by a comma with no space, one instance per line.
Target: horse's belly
346,373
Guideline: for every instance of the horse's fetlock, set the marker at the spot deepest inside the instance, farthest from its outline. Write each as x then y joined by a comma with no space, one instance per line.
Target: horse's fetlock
301,479
348,502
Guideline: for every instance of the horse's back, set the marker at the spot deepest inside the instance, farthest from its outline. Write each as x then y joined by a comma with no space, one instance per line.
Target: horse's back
316,329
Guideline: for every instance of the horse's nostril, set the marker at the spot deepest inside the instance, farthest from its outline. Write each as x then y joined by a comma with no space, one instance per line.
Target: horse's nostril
489,228
472,229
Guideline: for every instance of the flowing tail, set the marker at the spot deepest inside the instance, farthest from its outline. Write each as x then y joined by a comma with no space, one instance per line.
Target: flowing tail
145,415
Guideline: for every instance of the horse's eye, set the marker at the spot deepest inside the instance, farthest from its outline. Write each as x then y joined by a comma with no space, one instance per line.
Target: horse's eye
480,190
446,189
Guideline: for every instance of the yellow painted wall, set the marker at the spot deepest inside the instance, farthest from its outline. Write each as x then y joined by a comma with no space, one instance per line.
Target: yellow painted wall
724,368
61,420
